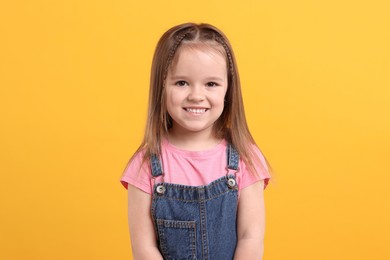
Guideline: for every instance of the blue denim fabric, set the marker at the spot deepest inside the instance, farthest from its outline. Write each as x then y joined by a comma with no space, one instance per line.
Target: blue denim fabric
196,222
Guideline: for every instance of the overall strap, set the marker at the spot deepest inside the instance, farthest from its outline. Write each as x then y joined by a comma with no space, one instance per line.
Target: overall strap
232,157
156,166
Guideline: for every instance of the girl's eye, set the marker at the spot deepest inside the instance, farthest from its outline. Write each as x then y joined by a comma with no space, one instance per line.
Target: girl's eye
212,84
181,83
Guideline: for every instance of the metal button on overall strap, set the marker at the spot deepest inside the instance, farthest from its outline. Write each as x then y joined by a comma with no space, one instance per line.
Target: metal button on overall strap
231,182
160,189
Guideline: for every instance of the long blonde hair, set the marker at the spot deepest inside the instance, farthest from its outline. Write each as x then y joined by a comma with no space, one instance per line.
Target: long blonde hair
231,125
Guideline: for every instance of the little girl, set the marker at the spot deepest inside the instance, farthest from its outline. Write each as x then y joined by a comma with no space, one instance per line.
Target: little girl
197,179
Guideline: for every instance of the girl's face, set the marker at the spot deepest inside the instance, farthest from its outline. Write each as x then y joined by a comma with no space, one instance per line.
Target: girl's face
195,90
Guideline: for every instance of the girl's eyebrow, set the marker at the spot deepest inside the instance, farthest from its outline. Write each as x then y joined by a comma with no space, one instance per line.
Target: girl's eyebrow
215,79
212,78
175,77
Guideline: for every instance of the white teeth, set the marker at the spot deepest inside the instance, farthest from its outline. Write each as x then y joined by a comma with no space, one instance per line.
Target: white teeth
196,110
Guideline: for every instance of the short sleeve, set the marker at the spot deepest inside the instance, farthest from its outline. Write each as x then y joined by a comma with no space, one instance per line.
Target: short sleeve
137,173
246,178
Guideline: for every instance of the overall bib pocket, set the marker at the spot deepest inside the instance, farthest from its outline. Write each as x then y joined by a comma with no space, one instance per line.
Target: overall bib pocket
177,239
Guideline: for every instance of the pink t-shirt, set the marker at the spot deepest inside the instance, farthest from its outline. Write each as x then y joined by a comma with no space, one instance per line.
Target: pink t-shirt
192,168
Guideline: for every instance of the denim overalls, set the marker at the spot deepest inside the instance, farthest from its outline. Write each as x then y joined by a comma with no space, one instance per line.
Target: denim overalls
196,222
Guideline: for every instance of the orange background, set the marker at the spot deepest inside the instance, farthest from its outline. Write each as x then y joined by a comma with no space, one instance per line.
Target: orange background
74,81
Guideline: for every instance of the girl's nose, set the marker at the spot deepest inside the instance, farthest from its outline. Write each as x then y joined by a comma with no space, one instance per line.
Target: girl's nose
196,93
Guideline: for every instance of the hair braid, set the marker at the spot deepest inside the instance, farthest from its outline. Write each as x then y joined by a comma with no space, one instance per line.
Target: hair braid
172,51
221,41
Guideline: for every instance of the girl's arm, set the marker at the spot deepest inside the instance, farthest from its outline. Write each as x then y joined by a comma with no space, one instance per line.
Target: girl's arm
142,234
250,223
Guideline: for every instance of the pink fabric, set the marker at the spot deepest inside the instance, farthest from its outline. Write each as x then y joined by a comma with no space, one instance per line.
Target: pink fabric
190,168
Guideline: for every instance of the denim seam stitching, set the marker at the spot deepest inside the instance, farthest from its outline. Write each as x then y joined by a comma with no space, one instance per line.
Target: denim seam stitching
209,186
208,199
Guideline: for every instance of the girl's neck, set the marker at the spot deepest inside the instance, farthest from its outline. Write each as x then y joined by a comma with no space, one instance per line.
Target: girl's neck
193,141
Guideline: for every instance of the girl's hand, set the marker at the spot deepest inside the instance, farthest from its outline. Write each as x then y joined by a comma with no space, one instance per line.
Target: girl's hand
251,223
142,234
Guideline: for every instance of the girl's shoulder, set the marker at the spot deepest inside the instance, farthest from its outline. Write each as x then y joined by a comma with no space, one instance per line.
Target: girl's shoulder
260,164
137,171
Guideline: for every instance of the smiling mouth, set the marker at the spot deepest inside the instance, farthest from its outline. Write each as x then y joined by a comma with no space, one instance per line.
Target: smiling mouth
196,110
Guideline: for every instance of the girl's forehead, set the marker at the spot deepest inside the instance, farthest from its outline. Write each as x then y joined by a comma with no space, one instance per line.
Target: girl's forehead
212,50
207,47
